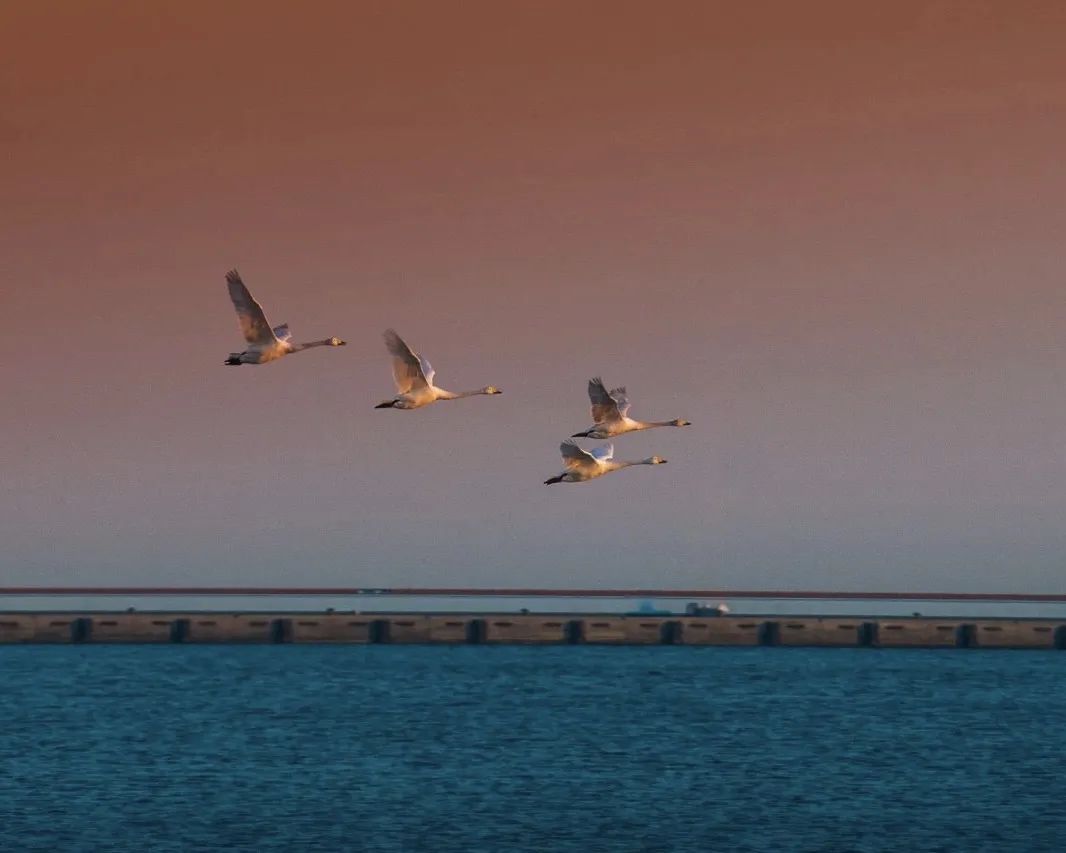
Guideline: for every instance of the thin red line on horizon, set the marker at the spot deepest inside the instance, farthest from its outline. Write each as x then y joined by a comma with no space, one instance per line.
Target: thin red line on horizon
461,592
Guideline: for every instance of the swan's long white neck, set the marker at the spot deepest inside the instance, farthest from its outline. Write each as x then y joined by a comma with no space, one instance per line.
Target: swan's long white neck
326,342
650,424
458,395
629,464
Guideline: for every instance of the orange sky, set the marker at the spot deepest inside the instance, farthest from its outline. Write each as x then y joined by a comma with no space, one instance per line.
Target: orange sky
828,234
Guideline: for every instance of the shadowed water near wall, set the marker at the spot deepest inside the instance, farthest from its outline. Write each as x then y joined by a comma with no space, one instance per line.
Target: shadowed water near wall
535,629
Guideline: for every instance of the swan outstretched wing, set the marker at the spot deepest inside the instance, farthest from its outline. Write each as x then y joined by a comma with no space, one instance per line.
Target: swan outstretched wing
575,457
604,405
427,369
282,332
253,322
408,369
621,400
602,453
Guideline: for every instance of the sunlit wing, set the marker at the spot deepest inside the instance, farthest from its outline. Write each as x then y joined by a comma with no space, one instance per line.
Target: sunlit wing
604,407
427,369
602,453
282,332
621,401
253,322
406,366
574,456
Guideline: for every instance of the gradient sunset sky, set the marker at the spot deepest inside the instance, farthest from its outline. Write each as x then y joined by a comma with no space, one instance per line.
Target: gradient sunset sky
830,234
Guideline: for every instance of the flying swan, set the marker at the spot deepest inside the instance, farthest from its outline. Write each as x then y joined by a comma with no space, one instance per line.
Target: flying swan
584,465
610,413
264,344
414,379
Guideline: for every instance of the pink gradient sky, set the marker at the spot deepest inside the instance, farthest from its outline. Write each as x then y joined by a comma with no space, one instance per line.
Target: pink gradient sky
828,234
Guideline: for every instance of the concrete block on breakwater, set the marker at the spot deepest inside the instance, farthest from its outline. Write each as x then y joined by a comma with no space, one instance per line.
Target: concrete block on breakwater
823,632
541,629
623,630
130,628
1017,634
722,631
920,632
330,628
229,628
20,628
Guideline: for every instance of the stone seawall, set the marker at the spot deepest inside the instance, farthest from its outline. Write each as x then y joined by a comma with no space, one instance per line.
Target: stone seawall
526,628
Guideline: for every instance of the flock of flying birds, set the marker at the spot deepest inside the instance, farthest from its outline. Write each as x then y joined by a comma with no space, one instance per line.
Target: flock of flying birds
414,388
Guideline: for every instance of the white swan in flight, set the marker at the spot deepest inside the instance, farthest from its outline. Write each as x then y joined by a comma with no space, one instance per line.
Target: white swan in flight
414,379
610,414
584,465
264,343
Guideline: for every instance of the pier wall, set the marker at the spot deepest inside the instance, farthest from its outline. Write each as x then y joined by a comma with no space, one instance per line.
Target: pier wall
131,628
426,629
48,628
1014,634
719,631
623,630
329,628
822,632
17,628
404,629
225,628
919,632
539,629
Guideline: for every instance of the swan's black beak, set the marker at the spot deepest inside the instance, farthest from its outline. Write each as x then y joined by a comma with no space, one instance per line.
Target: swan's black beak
384,405
580,435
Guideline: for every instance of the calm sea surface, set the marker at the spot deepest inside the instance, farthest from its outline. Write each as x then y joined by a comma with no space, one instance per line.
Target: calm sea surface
485,749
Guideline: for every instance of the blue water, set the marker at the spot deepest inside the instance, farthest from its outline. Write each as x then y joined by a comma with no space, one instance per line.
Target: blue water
533,749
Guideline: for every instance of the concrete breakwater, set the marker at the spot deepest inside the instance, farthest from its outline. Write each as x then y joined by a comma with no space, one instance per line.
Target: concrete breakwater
537,629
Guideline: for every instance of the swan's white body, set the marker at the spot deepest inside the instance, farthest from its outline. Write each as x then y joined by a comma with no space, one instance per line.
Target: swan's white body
610,414
414,379
582,465
265,344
